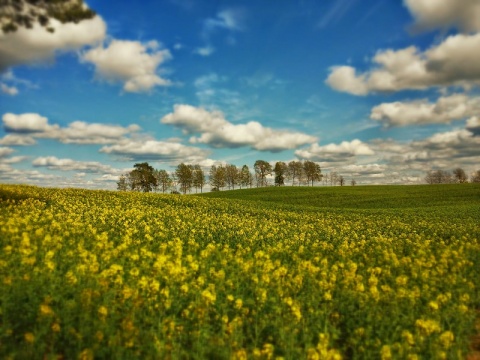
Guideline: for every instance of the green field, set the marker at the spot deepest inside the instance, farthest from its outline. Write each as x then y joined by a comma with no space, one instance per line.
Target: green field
380,272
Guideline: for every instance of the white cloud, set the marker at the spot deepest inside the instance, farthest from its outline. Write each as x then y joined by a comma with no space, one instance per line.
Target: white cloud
216,131
367,169
155,150
205,50
26,46
230,19
335,152
473,125
27,123
9,90
78,132
445,110
54,163
453,62
343,78
131,62
5,151
17,140
462,14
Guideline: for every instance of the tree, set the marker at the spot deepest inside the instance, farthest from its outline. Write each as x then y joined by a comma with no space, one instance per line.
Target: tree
184,175
246,177
262,170
295,169
122,183
333,178
353,182
312,171
341,180
163,180
439,177
231,176
217,177
326,178
460,176
280,171
25,13
475,178
142,177
198,178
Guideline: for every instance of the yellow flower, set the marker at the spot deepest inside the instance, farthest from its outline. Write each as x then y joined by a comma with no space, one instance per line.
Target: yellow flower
56,327
386,352
428,326
446,339
46,310
433,305
29,337
102,311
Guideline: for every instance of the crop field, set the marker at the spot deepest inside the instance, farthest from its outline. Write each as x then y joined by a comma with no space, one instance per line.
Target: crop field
293,273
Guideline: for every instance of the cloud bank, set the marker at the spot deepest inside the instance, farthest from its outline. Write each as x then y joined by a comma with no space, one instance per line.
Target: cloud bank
216,131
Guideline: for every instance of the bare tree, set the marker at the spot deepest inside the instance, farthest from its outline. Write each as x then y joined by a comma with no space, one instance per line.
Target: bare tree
198,178
333,178
184,177
295,169
353,182
460,176
163,179
439,177
341,180
231,176
217,177
475,178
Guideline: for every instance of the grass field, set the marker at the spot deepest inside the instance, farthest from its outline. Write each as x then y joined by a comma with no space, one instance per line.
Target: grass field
387,272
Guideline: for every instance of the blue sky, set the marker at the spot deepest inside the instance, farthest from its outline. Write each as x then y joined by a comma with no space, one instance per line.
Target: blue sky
379,91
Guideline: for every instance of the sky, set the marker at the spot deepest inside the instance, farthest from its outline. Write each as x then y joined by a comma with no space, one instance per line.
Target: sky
379,91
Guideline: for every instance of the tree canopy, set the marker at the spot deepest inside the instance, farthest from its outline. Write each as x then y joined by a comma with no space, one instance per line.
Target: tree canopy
25,13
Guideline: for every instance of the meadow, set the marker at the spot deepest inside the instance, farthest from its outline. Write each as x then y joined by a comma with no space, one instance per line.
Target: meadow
384,272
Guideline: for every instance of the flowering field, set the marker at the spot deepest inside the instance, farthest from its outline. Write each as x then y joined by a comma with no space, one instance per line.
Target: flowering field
87,274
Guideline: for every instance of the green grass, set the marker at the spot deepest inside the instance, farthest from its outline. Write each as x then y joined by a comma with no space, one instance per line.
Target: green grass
361,197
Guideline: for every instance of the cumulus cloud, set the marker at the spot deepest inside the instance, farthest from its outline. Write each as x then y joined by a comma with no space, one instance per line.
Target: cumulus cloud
155,150
26,46
5,151
473,125
461,14
27,123
78,132
445,110
452,62
54,163
365,169
216,131
17,140
133,63
335,152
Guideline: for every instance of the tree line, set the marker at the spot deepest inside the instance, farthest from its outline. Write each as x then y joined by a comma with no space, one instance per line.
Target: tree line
185,177
457,176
